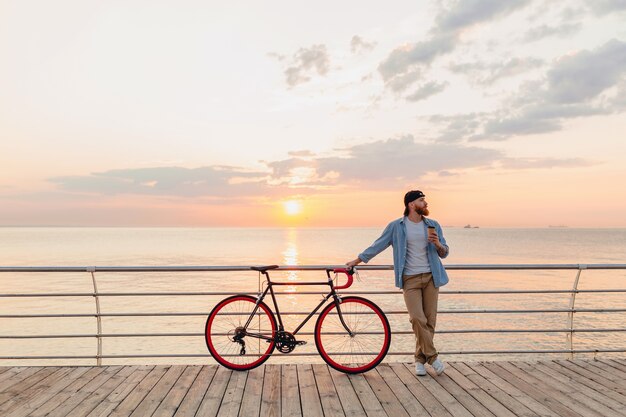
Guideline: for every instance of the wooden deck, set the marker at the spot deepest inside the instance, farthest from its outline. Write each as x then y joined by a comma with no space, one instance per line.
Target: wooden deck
550,388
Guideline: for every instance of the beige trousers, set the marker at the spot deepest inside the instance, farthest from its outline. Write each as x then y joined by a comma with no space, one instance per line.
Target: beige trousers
420,296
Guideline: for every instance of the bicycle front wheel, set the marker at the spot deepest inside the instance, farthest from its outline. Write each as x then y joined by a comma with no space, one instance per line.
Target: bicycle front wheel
230,342
360,351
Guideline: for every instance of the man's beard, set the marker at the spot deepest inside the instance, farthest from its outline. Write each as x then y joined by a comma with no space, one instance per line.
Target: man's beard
422,211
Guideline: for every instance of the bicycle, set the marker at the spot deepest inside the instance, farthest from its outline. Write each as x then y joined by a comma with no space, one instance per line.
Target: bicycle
352,334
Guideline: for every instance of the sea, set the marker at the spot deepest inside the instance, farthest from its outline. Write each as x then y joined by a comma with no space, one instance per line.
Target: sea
87,246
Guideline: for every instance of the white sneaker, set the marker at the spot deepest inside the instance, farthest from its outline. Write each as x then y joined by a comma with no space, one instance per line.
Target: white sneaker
420,370
438,366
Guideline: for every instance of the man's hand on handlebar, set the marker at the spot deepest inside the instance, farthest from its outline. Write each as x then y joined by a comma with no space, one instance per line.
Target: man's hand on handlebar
353,263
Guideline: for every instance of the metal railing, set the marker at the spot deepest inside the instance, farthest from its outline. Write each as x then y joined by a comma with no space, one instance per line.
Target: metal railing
569,330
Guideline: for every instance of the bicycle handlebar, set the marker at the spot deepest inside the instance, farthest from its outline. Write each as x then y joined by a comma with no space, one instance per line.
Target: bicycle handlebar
349,273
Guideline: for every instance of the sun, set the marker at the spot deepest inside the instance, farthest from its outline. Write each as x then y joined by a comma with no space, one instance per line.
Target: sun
292,207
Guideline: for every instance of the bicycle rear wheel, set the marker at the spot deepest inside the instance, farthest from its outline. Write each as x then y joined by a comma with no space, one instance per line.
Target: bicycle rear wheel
233,346
368,344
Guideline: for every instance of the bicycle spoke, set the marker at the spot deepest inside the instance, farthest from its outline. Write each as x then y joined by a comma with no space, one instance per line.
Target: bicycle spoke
225,335
369,341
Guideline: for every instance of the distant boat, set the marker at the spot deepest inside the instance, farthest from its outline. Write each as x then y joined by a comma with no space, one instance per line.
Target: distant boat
469,226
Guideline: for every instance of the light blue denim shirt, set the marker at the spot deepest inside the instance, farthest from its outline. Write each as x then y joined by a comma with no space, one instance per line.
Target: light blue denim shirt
395,235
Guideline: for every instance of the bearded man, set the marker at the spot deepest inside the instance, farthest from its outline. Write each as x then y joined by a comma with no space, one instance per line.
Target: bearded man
418,247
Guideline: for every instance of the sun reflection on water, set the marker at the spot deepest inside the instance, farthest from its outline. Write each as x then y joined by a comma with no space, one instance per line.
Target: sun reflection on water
290,257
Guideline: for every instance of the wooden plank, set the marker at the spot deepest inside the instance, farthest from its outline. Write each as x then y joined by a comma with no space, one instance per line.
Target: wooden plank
196,393
615,364
532,404
43,392
592,375
153,399
406,398
564,386
477,392
84,392
445,398
347,395
251,402
363,390
601,369
172,401
547,387
326,388
21,398
231,401
66,392
290,393
139,392
270,397
15,387
581,374
423,396
501,396
589,401
108,404
608,371
578,383
513,376
16,378
463,397
11,372
309,396
91,402
213,397
385,396
618,385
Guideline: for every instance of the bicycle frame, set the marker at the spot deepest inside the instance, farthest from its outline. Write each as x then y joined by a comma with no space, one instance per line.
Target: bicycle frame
281,328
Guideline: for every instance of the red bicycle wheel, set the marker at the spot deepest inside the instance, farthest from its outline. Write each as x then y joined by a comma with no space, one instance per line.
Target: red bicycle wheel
368,344
228,342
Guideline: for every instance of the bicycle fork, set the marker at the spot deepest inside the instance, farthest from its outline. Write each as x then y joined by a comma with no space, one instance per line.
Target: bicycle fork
340,314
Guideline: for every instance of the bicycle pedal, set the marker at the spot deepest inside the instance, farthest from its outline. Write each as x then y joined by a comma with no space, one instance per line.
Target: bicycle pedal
300,342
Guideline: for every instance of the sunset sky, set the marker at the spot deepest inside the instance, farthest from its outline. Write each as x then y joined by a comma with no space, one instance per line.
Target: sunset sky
204,113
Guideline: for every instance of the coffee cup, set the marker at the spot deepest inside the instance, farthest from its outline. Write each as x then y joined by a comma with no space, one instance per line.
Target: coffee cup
431,231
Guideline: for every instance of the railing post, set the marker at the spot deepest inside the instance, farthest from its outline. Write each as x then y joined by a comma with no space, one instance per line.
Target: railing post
572,303
92,270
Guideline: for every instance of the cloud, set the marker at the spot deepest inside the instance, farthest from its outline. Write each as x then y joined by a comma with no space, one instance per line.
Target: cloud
586,74
470,12
444,37
427,90
213,181
402,159
604,7
378,164
358,44
488,73
305,62
576,85
543,163
403,82
541,32
302,153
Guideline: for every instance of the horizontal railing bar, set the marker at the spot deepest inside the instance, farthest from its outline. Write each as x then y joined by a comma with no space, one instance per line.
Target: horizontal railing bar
454,331
407,353
306,313
200,268
226,293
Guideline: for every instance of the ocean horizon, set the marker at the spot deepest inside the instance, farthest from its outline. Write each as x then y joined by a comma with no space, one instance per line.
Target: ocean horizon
167,246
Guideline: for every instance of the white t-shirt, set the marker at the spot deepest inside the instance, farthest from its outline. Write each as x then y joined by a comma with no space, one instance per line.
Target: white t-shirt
416,248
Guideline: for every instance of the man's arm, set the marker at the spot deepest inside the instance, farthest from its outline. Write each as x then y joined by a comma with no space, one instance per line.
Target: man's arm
440,242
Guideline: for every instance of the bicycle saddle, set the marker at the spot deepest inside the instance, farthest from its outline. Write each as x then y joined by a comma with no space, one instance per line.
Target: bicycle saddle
263,268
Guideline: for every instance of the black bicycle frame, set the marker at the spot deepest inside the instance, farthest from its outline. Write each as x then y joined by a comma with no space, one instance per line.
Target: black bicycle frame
281,327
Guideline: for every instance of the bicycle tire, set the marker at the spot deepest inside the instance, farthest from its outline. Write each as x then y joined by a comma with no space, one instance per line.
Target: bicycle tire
228,315
344,352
